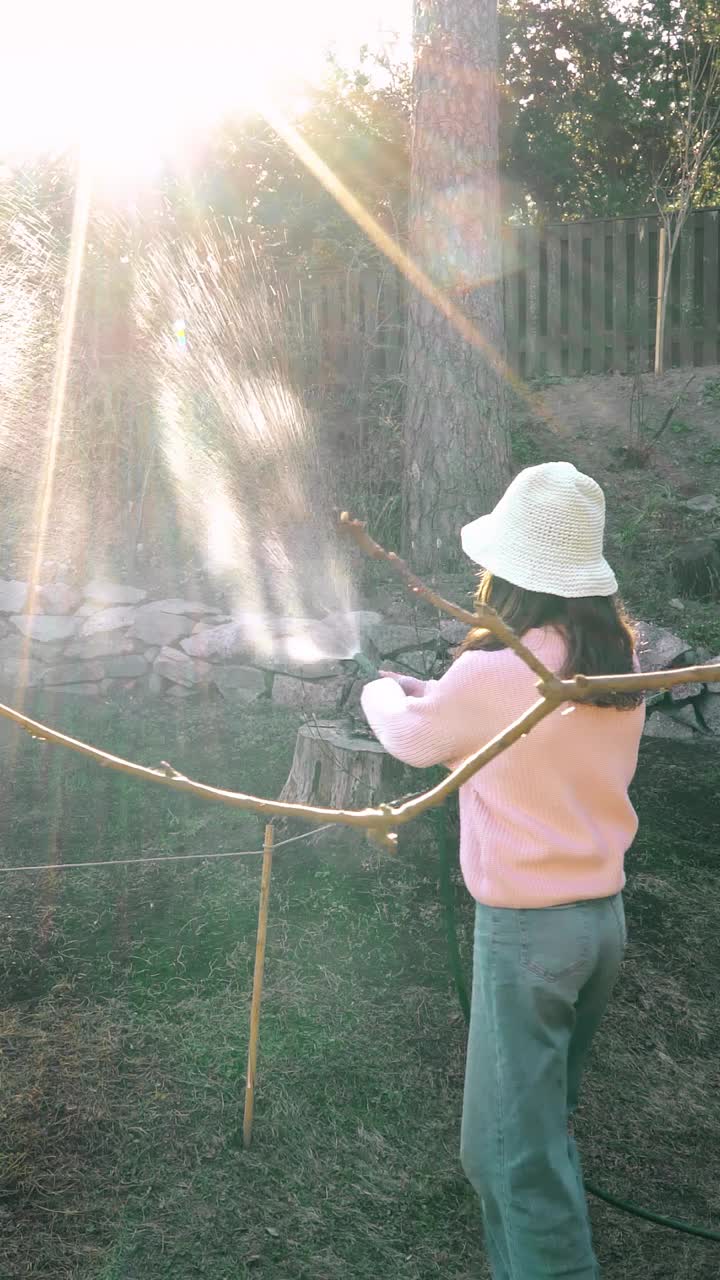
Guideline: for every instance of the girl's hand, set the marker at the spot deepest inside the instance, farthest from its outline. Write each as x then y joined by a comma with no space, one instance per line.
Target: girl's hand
410,685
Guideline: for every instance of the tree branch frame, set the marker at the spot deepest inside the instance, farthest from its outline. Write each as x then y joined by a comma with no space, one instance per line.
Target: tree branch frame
381,822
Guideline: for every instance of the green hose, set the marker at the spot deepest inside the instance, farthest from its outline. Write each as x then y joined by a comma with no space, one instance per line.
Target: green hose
439,817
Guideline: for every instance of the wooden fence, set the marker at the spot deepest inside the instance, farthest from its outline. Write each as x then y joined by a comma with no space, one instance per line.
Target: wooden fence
349,328
580,297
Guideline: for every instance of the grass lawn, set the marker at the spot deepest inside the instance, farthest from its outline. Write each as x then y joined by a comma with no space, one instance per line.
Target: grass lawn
124,1021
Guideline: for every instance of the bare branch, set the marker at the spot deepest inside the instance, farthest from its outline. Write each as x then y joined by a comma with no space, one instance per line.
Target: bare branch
381,822
482,617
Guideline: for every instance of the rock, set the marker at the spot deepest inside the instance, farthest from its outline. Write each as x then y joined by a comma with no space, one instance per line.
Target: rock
155,685
677,604
18,673
710,714
87,609
280,640
181,669
658,648
317,643
110,686
111,593
58,598
364,621
422,663
230,640
284,666
318,695
74,673
16,646
659,725
13,596
398,639
684,714
109,620
704,503
106,644
192,608
179,691
79,690
452,631
240,684
128,668
151,653
160,628
715,686
45,627
684,692
340,634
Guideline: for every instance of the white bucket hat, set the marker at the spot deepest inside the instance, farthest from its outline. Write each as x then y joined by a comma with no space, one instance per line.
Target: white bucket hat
546,534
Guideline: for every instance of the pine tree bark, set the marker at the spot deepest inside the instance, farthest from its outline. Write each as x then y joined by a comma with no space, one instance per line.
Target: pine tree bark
457,458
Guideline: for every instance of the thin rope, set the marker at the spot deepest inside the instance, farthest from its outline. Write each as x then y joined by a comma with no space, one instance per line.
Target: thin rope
170,857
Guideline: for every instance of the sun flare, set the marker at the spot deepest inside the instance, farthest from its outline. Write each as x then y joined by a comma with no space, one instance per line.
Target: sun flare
133,86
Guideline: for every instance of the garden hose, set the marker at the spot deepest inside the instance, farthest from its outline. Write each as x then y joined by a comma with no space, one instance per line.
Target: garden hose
439,817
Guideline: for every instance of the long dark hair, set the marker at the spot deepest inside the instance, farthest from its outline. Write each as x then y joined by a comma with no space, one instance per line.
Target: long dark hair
600,639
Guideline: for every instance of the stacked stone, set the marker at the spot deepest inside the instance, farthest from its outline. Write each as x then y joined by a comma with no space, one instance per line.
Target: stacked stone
110,638
687,712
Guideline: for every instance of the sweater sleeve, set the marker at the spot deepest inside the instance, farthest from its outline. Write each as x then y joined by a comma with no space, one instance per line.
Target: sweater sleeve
439,727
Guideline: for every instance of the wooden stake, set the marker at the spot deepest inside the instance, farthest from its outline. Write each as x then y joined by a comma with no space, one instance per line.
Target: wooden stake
257,986
661,316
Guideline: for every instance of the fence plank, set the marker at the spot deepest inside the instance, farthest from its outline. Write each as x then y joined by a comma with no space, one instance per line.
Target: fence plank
305,304
620,296
352,314
575,299
711,320
335,353
597,298
554,363
532,301
367,327
686,249
641,314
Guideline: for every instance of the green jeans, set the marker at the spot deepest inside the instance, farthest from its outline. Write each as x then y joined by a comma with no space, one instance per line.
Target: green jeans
541,983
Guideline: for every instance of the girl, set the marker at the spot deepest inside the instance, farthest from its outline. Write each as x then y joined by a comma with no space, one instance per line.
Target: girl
544,830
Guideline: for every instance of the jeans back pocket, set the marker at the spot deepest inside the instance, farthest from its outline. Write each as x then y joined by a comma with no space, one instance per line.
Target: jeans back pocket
555,941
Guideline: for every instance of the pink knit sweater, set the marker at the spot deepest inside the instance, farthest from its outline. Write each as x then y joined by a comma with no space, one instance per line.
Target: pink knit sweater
549,820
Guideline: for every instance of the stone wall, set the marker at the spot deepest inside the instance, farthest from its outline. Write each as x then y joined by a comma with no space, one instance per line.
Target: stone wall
688,712
111,638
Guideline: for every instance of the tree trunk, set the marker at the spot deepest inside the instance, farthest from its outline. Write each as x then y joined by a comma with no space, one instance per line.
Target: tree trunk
456,441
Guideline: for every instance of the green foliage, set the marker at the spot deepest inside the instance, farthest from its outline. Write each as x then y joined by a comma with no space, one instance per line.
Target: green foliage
711,391
358,124
587,109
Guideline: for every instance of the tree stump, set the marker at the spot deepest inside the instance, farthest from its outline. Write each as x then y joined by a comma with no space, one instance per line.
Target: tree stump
696,568
335,769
